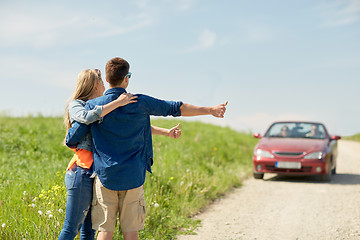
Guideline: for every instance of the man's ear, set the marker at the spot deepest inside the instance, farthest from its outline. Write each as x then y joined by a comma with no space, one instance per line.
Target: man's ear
125,82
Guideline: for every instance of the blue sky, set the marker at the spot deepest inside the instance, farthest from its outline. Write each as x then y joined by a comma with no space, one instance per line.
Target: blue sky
272,60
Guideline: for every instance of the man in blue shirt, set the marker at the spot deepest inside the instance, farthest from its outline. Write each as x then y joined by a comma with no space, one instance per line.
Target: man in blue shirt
122,150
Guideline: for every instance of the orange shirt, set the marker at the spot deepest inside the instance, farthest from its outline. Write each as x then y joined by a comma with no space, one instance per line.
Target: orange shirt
83,158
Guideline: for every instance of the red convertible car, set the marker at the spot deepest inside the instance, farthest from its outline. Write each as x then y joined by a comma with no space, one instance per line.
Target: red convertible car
296,148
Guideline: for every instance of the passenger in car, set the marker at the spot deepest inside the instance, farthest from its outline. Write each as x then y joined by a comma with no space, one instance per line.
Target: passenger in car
314,133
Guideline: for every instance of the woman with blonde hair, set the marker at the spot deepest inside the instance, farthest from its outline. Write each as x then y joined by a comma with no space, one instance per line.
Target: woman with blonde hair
79,176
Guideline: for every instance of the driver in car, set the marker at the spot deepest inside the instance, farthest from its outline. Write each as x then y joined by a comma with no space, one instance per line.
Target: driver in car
284,132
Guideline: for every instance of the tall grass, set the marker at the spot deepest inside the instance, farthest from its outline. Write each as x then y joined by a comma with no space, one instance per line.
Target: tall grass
188,173
355,137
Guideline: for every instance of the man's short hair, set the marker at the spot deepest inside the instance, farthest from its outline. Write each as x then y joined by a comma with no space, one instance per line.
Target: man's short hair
116,70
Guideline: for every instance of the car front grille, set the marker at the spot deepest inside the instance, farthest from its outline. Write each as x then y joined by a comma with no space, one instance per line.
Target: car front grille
272,168
294,154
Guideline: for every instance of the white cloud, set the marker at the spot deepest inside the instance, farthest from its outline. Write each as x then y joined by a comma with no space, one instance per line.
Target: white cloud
206,40
340,12
31,28
31,70
184,5
255,32
179,5
259,122
166,5
45,27
141,3
137,22
348,62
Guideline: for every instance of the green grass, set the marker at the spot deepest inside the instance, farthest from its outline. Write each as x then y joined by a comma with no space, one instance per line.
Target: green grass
355,137
188,173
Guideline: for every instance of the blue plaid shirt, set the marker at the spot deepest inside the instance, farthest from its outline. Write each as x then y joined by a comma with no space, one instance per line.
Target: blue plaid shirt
122,142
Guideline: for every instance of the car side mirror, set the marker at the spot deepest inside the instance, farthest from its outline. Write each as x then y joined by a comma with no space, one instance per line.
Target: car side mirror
335,137
257,135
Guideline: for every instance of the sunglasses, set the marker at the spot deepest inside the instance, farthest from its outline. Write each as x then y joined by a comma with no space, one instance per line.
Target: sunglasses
129,74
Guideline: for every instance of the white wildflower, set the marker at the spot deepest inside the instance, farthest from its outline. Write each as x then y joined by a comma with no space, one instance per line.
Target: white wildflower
48,212
156,205
60,210
24,193
33,205
50,215
40,212
3,225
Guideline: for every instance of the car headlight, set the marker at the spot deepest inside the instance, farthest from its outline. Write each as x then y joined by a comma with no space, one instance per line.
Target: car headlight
263,153
314,155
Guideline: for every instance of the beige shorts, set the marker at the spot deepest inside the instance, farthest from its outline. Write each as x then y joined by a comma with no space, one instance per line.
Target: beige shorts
107,204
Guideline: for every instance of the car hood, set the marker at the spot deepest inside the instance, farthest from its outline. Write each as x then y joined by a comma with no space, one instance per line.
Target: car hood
292,144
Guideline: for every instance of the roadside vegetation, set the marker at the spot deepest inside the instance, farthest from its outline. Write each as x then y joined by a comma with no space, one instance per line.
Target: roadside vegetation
188,173
355,137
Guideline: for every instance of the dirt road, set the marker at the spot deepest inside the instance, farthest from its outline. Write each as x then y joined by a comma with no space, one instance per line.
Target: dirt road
287,208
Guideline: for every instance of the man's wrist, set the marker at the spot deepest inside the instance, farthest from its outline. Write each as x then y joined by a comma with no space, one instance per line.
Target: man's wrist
210,110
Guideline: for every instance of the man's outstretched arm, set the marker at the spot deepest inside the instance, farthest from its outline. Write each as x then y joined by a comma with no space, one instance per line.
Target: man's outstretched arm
188,110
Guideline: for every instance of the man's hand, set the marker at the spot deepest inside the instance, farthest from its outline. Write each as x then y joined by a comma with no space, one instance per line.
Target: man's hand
175,132
219,110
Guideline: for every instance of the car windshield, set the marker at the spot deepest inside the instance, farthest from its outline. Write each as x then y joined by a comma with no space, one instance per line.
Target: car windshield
296,130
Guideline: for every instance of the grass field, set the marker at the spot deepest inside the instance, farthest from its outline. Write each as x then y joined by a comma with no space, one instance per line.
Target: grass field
188,173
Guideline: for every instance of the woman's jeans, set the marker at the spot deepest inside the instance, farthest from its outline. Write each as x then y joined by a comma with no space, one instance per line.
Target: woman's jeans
79,187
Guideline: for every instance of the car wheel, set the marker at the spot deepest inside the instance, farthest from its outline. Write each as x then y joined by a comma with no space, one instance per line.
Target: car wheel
327,176
258,175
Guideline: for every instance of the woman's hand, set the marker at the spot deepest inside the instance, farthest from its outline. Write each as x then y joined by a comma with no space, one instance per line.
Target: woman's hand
125,99
175,132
